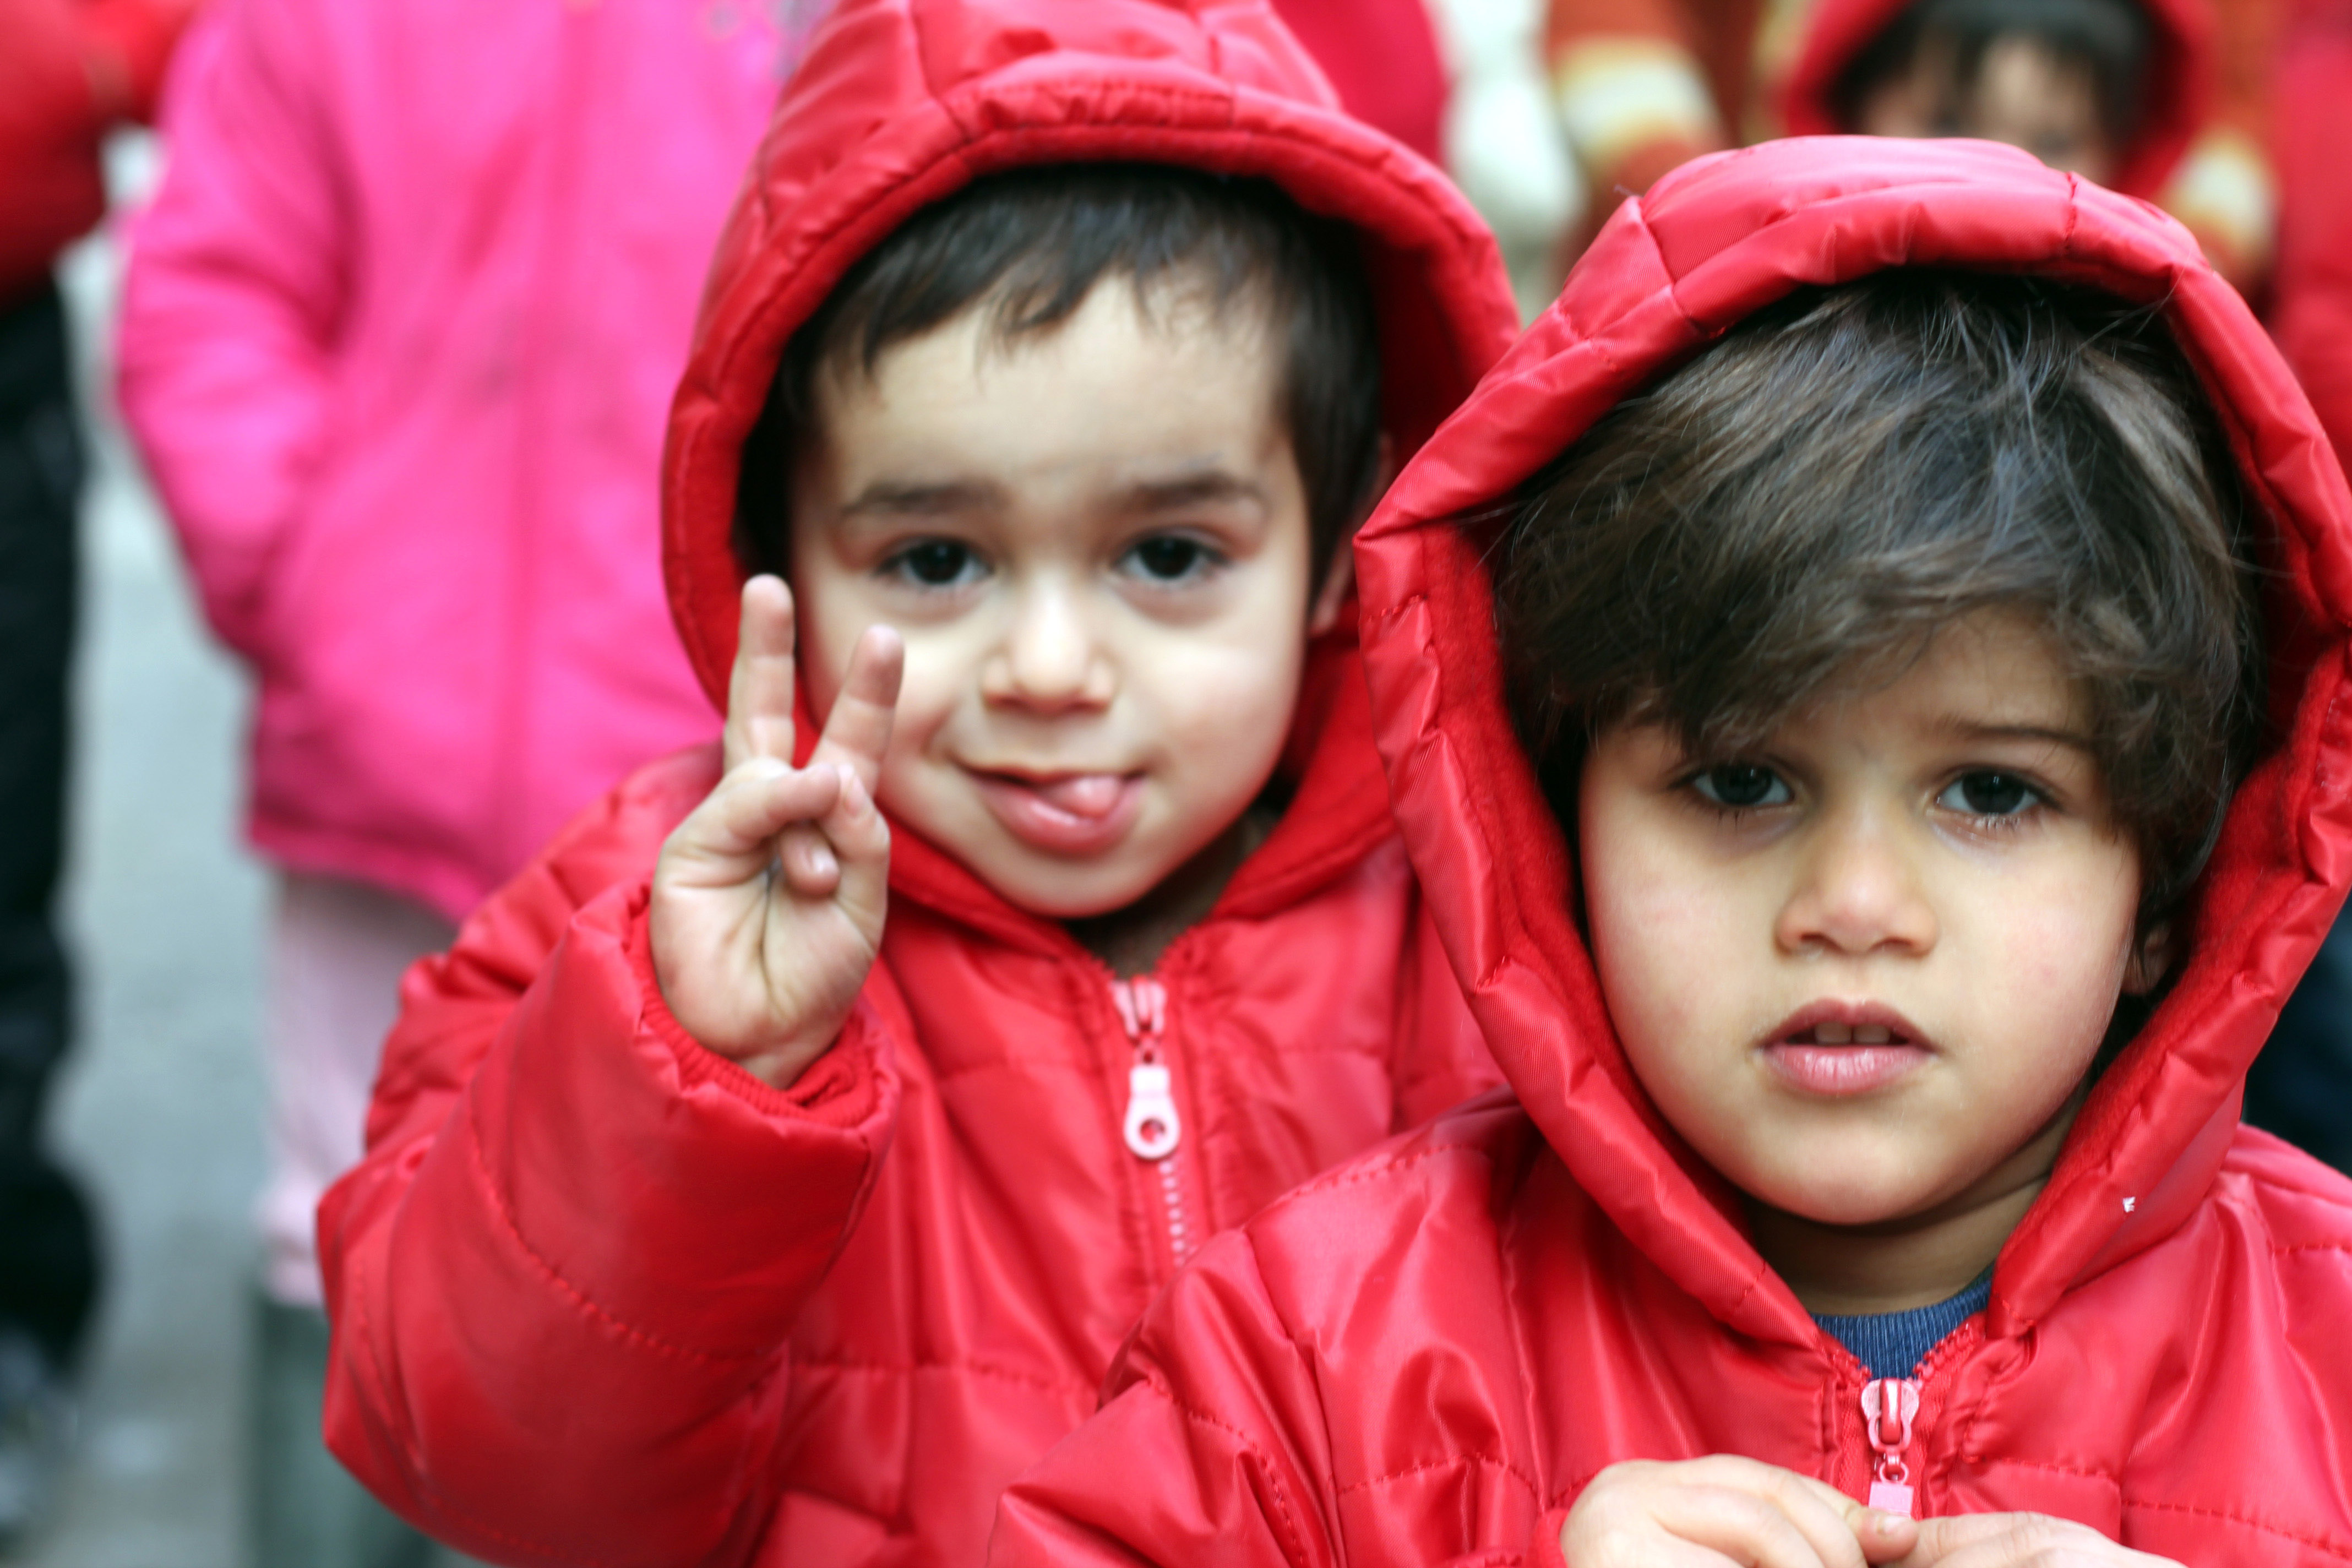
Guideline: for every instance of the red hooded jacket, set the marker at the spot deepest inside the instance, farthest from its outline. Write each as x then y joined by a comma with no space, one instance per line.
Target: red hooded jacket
602,1298
1425,1355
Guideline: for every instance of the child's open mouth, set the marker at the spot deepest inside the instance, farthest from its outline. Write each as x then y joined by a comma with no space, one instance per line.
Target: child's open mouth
1063,813
1845,1048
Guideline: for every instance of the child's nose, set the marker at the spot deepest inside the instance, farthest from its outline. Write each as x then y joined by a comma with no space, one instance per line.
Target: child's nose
1859,890
1049,658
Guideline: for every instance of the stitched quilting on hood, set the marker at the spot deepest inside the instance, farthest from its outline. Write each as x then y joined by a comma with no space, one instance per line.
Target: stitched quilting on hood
898,103
1710,244
2175,99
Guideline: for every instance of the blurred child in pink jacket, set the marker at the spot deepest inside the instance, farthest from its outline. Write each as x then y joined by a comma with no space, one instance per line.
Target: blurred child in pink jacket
398,342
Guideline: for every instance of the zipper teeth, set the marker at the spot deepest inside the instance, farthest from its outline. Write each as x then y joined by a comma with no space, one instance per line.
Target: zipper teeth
1179,1234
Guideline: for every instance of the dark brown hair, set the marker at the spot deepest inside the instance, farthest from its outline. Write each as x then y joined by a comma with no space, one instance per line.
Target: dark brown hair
1842,474
1030,245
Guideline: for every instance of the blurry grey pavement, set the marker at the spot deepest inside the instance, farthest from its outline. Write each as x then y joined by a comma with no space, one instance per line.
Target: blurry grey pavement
160,1109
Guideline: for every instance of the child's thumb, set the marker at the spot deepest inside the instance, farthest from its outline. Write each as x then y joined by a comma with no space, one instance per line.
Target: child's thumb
1938,1538
1884,1537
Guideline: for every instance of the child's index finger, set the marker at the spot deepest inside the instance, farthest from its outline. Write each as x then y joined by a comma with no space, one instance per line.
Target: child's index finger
760,689
857,730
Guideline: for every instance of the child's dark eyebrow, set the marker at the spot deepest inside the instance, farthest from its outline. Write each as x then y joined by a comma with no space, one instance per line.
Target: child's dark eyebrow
886,498
2073,739
1191,489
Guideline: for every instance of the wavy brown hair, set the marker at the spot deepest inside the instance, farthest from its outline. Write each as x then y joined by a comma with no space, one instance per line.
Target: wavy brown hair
1804,504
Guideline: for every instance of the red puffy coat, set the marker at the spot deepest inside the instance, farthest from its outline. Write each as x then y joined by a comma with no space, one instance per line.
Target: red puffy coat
1425,1355
599,1296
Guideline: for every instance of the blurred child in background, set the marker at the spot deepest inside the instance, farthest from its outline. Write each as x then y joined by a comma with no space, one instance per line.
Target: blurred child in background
2160,99
69,71
397,340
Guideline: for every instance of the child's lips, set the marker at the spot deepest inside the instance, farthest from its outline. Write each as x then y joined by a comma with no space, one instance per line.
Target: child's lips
1845,1048
1063,813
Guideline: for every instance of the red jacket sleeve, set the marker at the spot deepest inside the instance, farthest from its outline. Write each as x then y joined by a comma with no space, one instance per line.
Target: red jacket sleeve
234,298
126,45
1210,1448
69,70
578,1232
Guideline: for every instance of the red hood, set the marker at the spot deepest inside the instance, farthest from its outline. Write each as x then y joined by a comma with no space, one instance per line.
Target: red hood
2178,98
896,104
1712,242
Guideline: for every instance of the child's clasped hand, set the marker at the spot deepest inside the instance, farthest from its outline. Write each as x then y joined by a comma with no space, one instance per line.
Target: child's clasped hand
768,901
1725,1509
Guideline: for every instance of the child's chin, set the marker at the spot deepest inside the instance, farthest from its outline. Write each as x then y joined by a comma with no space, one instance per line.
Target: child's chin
1849,1198
1073,889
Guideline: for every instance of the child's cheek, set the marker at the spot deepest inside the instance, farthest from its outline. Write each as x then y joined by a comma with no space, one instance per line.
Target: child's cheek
2055,954
1656,927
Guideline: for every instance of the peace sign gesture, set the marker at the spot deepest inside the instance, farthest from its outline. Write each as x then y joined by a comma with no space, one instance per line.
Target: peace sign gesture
769,897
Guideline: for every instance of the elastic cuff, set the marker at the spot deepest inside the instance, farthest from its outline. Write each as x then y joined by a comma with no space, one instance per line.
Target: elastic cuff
840,1089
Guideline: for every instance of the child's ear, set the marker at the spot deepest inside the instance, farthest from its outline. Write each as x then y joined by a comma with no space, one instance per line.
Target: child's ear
1338,580
1339,575
2152,957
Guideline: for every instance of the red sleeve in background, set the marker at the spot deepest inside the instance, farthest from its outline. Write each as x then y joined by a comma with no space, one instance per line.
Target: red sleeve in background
1381,56
2312,314
69,72
127,44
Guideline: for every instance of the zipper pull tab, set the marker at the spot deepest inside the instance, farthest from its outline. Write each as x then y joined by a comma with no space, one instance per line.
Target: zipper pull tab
1152,1125
1889,1404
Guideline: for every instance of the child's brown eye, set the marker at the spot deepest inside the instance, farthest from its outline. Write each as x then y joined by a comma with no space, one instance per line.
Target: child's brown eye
1741,785
1168,557
1988,795
935,562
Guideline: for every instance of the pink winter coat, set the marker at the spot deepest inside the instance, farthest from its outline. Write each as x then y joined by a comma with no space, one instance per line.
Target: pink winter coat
398,341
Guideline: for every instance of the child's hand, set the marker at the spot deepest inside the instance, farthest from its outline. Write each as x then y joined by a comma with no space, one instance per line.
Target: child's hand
768,902
2020,1540
1723,1512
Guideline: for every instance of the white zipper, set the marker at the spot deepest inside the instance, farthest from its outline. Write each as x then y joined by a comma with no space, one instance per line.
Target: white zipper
1152,1126
1889,1406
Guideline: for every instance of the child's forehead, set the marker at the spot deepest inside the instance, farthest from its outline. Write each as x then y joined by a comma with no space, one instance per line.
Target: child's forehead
1992,671
1122,373
1126,405
1178,313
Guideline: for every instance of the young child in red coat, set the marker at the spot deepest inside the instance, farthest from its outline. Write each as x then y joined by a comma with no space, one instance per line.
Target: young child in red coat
1863,686
770,1173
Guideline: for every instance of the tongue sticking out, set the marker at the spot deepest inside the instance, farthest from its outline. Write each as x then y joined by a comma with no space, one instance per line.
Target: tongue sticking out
1084,794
